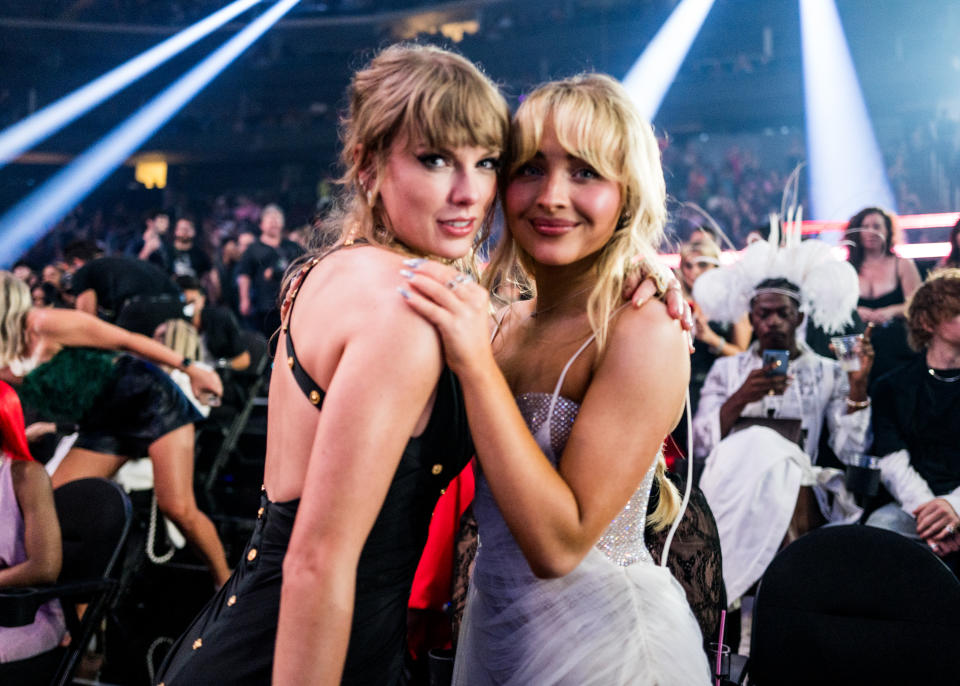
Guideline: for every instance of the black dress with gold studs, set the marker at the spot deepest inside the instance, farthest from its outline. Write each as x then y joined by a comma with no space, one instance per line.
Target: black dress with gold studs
232,641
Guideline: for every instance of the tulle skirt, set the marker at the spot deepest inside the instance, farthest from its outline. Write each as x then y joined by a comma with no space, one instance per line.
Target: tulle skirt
601,624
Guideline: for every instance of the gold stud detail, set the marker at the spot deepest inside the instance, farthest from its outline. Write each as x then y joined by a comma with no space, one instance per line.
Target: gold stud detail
231,601
259,513
443,491
263,487
314,397
197,643
290,362
437,468
252,555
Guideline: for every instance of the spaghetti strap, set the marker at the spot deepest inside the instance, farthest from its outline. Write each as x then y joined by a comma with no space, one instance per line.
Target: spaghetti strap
566,368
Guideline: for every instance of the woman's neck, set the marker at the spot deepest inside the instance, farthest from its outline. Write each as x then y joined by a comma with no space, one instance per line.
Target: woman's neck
943,355
874,254
564,289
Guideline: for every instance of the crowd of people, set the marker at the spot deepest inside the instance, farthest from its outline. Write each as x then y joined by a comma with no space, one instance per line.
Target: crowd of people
390,374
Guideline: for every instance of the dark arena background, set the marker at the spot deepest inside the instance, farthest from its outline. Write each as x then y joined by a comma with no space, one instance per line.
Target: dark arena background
113,110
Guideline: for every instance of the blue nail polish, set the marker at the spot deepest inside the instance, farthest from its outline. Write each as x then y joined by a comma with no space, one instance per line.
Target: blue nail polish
406,273
404,292
414,262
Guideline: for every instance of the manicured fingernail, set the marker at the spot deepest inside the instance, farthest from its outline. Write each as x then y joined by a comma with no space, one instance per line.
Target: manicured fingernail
406,273
414,262
404,292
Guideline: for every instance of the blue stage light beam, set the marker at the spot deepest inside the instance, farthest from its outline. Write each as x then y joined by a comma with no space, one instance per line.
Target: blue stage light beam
847,172
27,221
42,124
650,77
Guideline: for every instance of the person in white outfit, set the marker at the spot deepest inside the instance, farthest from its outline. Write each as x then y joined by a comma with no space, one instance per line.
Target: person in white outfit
759,425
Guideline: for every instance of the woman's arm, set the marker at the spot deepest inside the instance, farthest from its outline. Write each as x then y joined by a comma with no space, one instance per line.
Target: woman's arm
633,401
73,328
382,384
41,535
742,333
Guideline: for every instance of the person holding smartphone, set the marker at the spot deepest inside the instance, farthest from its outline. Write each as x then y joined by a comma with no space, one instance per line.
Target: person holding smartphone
777,382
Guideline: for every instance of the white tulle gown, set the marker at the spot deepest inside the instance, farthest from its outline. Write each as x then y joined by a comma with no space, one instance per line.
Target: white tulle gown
617,618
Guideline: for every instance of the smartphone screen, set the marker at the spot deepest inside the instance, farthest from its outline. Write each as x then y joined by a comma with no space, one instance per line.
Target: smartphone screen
772,357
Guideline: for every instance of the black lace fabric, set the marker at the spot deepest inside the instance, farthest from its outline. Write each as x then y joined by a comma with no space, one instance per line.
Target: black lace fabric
465,549
694,559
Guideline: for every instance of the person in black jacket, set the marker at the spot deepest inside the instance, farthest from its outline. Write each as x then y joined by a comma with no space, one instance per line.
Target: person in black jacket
916,422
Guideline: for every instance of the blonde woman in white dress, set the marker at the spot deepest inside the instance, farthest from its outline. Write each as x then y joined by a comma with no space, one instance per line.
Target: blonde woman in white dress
568,406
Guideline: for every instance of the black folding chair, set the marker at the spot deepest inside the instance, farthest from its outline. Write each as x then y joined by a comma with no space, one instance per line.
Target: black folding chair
253,379
94,519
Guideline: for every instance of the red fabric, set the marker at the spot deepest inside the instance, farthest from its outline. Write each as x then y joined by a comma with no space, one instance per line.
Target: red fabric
11,424
432,582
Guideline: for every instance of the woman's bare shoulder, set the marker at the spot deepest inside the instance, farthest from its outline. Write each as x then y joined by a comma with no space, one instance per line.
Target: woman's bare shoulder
650,324
646,341
360,287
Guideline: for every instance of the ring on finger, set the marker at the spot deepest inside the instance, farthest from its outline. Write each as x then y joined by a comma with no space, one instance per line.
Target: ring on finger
457,280
771,392
949,529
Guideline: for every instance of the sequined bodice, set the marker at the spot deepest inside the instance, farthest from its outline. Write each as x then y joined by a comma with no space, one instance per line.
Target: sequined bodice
622,542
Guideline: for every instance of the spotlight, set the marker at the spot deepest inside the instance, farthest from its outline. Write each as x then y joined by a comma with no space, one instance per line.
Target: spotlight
35,214
26,133
846,168
650,77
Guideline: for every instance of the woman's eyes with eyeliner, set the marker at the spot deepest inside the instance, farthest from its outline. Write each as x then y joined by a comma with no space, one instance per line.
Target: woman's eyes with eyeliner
528,169
432,160
587,173
491,163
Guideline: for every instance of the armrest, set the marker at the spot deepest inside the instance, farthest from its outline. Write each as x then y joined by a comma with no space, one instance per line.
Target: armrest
18,606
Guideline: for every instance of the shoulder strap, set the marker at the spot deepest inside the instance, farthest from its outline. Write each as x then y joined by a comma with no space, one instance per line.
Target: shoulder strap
566,368
310,388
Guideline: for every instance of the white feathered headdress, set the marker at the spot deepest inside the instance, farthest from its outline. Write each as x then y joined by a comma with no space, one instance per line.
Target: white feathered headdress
829,287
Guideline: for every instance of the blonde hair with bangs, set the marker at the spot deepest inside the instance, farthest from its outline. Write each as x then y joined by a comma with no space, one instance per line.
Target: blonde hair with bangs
15,302
595,121
411,93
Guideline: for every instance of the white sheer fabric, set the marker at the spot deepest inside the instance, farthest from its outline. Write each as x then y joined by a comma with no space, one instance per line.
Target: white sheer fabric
616,619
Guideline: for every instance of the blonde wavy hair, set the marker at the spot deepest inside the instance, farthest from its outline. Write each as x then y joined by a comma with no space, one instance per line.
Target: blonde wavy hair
15,302
410,93
595,121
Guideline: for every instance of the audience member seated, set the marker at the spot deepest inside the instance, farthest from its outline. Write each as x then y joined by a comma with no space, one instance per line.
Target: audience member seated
762,412
713,339
261,270
157,223
106,286
183,257
220,335
886,283
30,546
25,273
916,423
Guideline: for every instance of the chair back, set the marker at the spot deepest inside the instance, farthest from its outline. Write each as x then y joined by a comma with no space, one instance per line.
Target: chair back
855,605
95,516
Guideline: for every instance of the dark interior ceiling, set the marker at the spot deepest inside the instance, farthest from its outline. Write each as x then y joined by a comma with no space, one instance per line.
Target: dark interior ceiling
280,100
